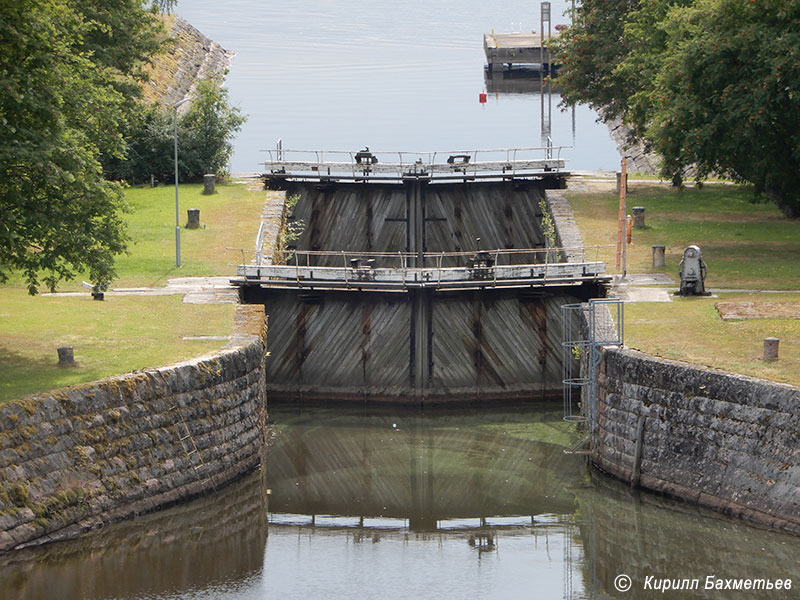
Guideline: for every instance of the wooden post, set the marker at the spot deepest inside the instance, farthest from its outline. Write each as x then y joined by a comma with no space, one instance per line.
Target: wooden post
209,183
638,217
193,218
622,219
659,256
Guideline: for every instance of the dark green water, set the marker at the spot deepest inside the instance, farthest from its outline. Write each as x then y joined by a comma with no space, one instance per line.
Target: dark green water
405,504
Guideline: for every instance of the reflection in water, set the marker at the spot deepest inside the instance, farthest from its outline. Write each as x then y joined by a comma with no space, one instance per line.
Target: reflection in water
513,562
446,502
216,540
420,467
397,504
646,535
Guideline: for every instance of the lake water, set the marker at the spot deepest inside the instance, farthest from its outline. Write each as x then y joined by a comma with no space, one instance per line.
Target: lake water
341,75
399,503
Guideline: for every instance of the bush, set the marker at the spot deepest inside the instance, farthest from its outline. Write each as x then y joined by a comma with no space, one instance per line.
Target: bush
205,132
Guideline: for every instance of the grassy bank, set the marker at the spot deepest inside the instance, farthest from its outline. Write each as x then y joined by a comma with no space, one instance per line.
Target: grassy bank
746,245
690,329
229,219
125,333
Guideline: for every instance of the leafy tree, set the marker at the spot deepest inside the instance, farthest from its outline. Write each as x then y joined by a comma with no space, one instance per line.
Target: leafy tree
711,84
727,98
148,134
205,132
65,71
589,53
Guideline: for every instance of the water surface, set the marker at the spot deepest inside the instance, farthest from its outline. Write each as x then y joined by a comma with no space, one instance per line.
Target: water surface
341,75
404,503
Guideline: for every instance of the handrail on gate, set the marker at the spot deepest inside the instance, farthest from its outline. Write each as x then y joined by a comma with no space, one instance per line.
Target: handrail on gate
281,160
259,245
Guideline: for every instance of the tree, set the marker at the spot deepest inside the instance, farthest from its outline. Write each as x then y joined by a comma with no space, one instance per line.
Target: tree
589,52
207,129
727,98
65,71
708,84
205,132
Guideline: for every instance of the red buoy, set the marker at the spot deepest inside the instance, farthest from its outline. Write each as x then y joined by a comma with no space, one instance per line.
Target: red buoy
482,97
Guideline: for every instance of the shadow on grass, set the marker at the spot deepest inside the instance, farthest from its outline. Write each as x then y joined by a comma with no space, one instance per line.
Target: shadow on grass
24,375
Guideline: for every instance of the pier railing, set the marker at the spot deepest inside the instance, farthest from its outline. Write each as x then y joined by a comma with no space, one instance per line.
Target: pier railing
400,271
393,165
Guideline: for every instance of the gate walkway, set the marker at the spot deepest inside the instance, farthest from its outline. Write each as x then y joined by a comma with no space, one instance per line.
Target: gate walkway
401,271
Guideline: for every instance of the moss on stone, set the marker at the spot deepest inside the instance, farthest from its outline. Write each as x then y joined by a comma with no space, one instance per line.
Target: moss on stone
20,495
41,522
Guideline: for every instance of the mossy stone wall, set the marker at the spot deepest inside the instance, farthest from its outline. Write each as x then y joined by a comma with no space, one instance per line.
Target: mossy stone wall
77,458
717,439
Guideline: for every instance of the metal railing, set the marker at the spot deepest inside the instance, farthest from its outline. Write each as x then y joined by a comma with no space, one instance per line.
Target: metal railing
400,164
402,259
586,328
440,270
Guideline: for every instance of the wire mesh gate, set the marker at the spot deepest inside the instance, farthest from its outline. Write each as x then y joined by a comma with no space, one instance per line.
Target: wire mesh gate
586,327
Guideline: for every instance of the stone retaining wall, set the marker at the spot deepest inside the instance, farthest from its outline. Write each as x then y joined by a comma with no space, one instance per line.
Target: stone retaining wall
717,439
192,58
77,458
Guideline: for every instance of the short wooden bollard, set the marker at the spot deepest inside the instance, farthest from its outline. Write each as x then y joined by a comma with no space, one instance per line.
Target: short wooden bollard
771,348
194,218
209,182
66,357
638,217
659,256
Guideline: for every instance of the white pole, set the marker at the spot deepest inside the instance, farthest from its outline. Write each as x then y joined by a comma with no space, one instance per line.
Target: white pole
177,215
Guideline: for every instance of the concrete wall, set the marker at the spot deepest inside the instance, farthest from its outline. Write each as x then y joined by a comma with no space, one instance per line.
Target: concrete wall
77,458
717,439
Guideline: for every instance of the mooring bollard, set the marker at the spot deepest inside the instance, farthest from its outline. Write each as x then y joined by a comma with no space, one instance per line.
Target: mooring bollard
638,217
66,358
194,218
771,348
209,181
659,258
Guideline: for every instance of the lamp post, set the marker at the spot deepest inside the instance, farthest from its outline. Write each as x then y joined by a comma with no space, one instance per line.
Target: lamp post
177,216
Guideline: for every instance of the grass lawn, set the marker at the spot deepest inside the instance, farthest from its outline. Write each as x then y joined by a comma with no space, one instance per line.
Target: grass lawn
690,329
125,333
228,219
745,245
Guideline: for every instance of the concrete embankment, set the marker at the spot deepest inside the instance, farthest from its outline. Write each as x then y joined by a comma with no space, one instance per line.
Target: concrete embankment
75,459
717,439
